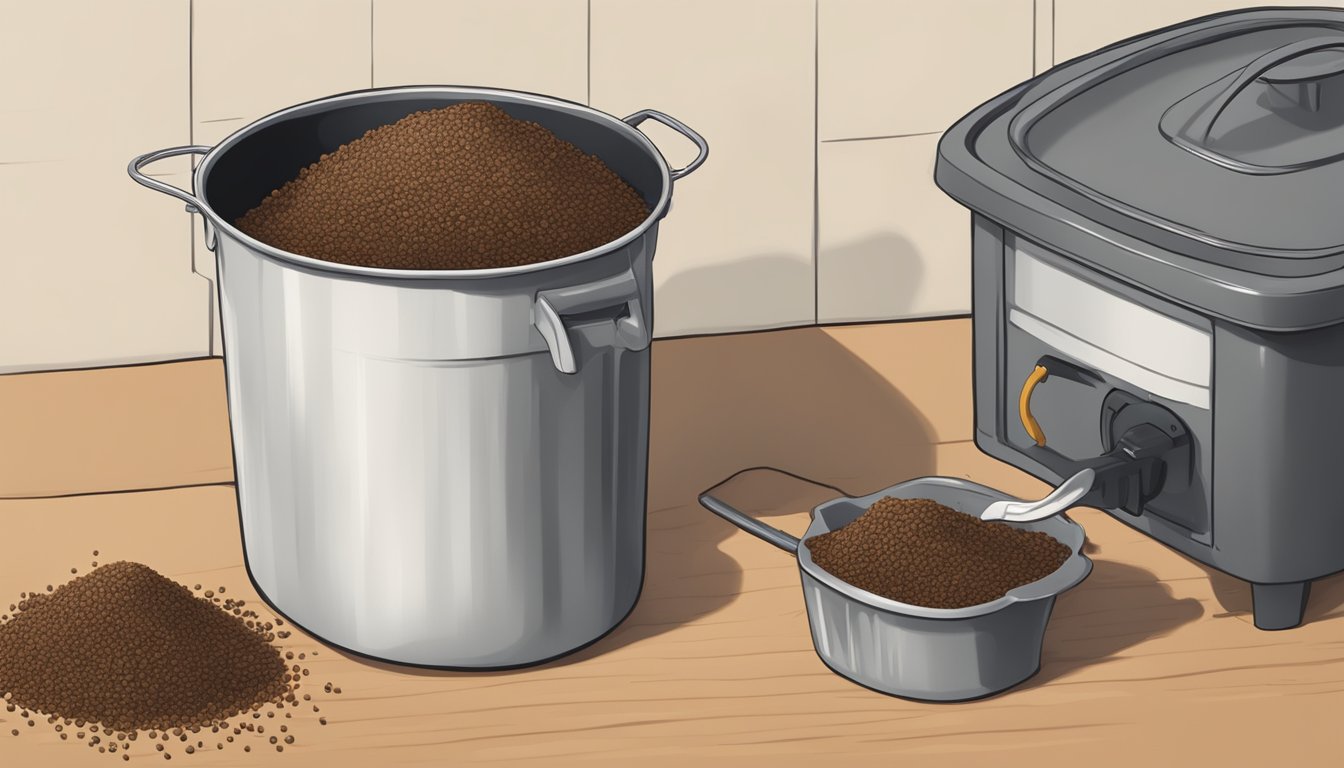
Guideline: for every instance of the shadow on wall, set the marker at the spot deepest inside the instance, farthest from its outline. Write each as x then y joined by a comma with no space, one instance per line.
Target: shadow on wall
877,276
771,289
797,400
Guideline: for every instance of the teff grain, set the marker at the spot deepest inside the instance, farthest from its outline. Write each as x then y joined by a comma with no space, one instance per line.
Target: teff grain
96,649
461,187
919,552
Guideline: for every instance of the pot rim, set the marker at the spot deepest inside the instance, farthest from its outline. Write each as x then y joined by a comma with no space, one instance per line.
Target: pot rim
469,93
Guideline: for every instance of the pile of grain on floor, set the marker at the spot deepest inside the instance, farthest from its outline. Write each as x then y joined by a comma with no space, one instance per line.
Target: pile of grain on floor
123,652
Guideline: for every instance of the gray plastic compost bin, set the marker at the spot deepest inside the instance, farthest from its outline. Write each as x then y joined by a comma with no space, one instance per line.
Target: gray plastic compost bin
1159,223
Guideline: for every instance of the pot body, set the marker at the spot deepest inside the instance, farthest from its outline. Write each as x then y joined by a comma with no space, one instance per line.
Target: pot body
440,468
409,495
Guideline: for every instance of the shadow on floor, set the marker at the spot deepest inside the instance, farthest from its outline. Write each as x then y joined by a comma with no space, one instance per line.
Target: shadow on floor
1234,596
1118,606
796,400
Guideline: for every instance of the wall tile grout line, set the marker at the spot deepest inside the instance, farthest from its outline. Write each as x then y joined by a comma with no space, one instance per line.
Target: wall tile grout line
191,165
588,86
879,138
372,81
816,162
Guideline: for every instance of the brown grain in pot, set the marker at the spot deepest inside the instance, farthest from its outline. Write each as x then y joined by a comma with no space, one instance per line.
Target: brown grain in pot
460,187
919,552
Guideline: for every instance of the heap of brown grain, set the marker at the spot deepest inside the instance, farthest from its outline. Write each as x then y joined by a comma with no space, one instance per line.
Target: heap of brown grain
460,187
919,552
123,652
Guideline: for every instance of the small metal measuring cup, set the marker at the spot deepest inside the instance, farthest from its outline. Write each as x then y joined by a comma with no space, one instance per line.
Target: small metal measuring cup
931,654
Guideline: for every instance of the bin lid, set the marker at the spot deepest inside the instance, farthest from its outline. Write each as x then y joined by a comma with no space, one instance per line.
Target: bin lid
1232,131
1215,146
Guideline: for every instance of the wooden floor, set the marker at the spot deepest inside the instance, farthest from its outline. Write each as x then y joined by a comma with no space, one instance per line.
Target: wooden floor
1152,660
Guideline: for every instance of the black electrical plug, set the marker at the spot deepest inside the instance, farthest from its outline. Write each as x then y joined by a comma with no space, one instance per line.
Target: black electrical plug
1132,472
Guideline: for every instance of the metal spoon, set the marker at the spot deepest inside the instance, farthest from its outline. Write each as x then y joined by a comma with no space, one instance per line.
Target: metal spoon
1065,496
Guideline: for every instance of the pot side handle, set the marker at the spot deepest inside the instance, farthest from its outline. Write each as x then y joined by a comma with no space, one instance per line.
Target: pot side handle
773,535
136,171
607,312
136,167
680,127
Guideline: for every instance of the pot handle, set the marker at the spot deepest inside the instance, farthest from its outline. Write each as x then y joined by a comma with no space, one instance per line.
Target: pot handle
138,164
608,312
784,541
193,205
680,127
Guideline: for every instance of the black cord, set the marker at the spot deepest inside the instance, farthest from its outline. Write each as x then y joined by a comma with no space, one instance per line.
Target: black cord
794,475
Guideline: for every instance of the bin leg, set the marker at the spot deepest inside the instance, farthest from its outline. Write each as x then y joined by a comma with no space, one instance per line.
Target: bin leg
1279,606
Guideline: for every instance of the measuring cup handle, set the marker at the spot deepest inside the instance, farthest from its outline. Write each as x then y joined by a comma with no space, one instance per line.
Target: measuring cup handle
755,527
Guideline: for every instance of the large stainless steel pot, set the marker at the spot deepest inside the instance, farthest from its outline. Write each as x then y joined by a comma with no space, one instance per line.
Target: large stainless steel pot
442,468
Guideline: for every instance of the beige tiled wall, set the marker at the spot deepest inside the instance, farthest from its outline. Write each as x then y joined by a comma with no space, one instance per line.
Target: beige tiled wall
526,45
1043,34
899,68
891,244
91,270
736,251
891,77
817,203
254,57
1086,25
